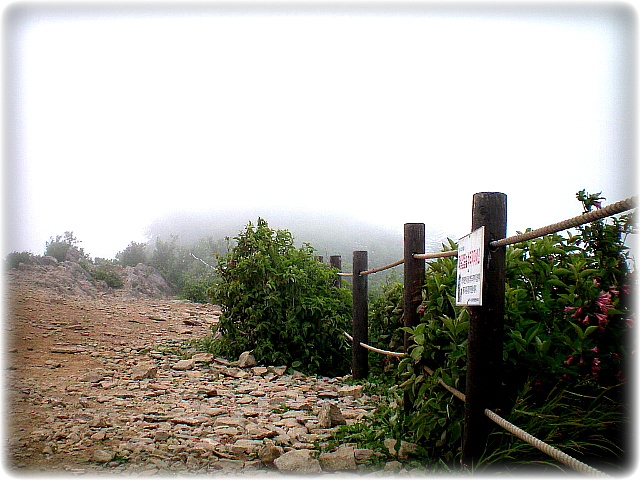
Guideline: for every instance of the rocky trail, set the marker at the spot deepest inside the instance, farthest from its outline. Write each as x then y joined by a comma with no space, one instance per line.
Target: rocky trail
104,381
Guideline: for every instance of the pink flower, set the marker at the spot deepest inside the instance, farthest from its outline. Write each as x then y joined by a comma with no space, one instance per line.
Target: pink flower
604,302
568,360
576,314
594,349
630,320
602,321
586,320
597,204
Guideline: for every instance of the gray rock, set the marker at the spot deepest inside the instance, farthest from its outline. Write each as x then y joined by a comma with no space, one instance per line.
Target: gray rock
48,260
182,365
65,349
298,461
144,370
92,377
330,416
203,358
248,446
278,370
102,456
393,466
405,448
189,420
362,455
342,459
268,453
355,391
258,432
231,421
236,373
246,360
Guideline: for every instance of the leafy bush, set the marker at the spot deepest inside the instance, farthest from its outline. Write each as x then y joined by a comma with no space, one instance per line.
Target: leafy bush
566,345
281,303
134,254
111,278
195,287
14,259
58,247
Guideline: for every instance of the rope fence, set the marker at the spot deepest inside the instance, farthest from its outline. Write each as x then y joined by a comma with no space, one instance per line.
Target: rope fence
489,210
545,448
609,210
386,267
613,209
428,256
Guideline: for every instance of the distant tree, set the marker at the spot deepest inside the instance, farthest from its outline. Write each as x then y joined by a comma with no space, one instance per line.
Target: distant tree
134,254
168,259
60,246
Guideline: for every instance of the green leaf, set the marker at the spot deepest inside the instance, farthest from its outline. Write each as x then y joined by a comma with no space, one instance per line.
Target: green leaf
589,330
417,352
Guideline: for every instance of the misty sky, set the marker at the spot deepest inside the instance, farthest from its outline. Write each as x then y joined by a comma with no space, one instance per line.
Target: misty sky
115,116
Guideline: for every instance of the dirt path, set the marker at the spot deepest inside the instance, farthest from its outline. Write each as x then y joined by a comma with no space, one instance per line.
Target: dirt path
107,383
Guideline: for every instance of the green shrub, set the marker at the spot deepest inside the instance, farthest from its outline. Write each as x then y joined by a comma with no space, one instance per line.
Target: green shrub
111,278
58,247
195,288
134,254
281,303
13,259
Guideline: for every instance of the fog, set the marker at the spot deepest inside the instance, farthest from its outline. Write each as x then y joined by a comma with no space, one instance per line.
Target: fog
119,119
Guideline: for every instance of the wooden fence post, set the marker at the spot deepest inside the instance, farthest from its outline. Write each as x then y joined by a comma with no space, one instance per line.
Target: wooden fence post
360,355
413,281
486,326
336,262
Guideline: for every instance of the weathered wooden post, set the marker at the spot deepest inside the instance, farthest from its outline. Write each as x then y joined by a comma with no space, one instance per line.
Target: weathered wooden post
486,326
413,281
360,355
336,262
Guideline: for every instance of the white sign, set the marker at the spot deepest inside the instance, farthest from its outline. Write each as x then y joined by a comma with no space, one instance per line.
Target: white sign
470,267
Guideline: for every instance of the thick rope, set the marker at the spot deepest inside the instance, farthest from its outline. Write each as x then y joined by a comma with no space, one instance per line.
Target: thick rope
456,393
528,438
618,207
377,350
448,253
213,268
562,457
545,448
391,265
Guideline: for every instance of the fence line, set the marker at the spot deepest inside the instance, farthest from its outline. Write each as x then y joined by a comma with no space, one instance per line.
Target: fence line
614,208
485,322
426,256
609,210
377,350
379,269
544,447
553,452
